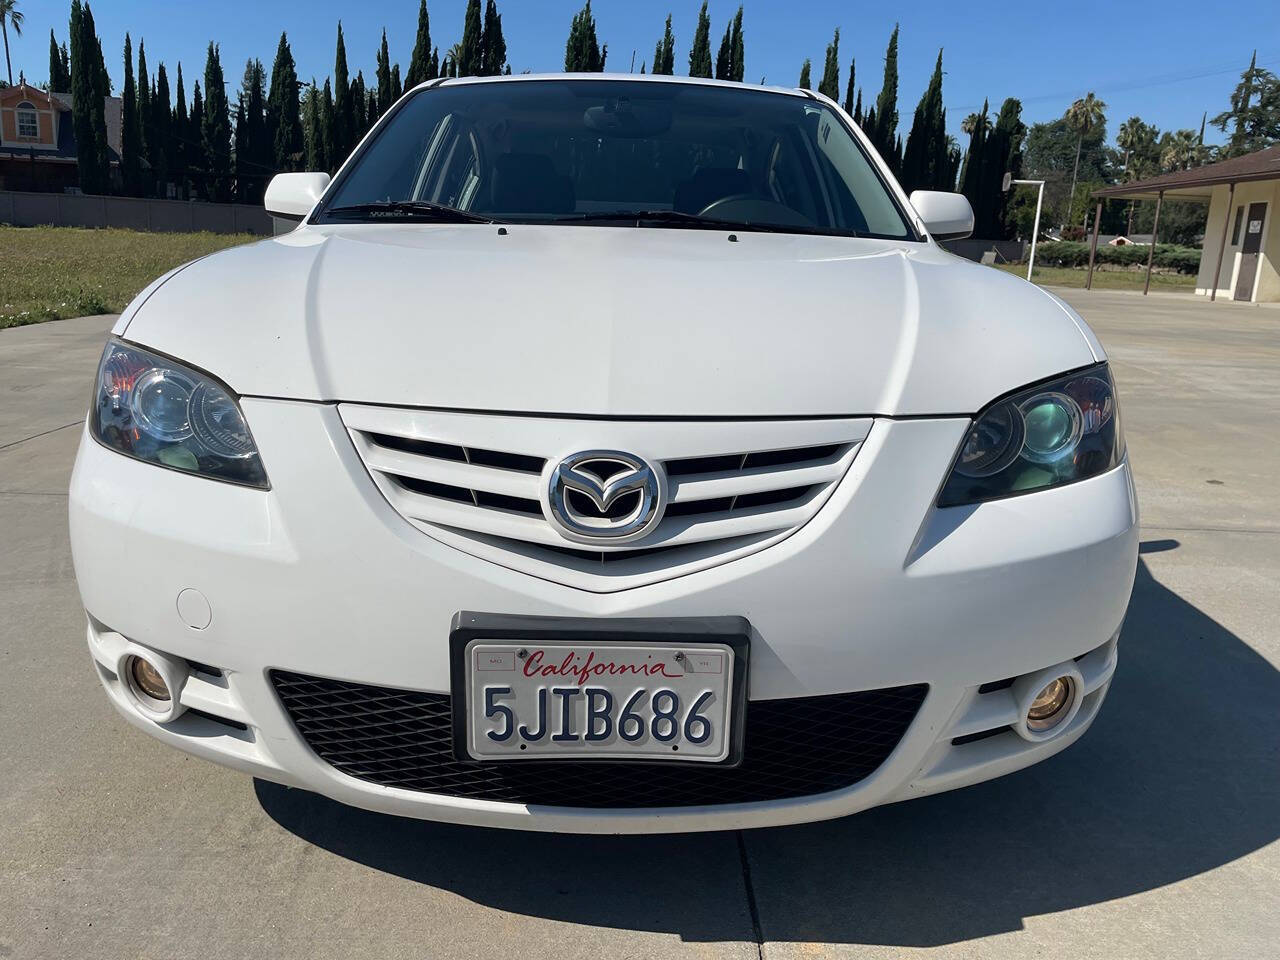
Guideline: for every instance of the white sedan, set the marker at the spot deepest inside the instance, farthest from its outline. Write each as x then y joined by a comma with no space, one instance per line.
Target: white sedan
606,454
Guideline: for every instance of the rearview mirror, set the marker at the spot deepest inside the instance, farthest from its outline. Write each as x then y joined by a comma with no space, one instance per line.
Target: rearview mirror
292,195
947,216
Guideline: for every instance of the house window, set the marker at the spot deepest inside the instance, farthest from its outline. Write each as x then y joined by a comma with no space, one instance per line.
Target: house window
28,126
1235,232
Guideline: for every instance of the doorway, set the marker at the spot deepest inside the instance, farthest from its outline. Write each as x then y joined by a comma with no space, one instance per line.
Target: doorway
1250,250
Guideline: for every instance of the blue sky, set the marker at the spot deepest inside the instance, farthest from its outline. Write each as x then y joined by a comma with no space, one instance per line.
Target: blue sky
1166,62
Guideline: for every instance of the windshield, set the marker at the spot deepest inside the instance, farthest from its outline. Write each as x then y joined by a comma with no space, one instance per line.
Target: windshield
616,151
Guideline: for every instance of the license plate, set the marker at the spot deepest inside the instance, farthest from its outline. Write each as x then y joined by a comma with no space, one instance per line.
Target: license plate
571,700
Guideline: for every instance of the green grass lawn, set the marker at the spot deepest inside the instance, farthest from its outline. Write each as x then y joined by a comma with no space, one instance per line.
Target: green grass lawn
1103,279
48,273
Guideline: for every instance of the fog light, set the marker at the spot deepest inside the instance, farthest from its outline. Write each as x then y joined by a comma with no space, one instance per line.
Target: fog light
1050,705
147,680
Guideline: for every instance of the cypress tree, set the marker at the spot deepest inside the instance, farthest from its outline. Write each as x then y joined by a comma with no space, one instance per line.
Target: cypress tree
848,91
582,51
343,124
312,136
886,124
145,130
493,54
240,151
59,67
284,125
179,134
700,53
332,161
972,183
857,109
215,127
724,56
738,60
197,164
664,54
830,83
1003,153
924,162
359,107
869,122
804,75
397,90
471,53
253,142
383,75
89,89
419,66
161,130
130,128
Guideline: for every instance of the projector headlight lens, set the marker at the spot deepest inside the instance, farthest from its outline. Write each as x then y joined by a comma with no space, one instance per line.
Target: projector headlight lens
155,409
1044,436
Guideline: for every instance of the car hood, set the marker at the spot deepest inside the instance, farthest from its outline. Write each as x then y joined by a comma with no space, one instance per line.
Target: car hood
609,321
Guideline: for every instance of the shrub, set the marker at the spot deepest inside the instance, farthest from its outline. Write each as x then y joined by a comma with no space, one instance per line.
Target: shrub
1168,256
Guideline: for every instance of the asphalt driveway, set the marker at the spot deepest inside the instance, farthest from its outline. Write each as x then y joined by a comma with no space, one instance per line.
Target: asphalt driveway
1155,836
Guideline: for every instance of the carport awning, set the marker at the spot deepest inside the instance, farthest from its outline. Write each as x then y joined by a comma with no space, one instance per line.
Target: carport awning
1198,183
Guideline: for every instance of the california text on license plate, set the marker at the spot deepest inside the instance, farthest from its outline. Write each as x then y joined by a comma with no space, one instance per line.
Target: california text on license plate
574,701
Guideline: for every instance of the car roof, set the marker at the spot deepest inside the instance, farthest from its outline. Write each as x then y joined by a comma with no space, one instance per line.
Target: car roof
632,77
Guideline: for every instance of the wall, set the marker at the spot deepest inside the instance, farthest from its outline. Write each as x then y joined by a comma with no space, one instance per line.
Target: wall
1267,288
161,216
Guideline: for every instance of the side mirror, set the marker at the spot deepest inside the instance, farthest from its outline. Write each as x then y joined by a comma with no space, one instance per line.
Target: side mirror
947,216
292,195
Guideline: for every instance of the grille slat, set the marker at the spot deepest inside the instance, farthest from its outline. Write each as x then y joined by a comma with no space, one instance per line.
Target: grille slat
403,738
475,481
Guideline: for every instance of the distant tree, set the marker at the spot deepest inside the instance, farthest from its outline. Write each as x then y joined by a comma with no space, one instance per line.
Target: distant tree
144,111
738,59
130,128
383,74
972,182
848,91
180,136
857,110
1082,117
925,160
724,55
253,144
312,134
197,164
1254,115
664,53
215,129
359,108
470,58
397,90
420,62
10,17
1002,154
332,158
1181,150
59,67
700,53
804,75
886,125
89,89
493,45
160,138
582,51
829,85
284,123
343,111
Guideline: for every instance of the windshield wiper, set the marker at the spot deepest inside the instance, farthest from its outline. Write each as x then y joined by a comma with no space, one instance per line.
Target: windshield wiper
422,211
680,219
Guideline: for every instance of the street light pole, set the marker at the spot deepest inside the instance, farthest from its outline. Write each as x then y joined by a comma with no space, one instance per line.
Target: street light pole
1035,231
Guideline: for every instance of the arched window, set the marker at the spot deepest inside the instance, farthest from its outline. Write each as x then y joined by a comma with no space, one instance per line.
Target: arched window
28,123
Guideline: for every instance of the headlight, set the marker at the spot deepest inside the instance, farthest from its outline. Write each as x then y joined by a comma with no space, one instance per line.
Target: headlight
155,409
1050,434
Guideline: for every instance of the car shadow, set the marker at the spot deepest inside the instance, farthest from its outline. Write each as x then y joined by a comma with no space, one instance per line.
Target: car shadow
1179,774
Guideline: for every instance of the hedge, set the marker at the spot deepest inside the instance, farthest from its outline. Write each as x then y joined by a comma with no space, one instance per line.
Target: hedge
1169,256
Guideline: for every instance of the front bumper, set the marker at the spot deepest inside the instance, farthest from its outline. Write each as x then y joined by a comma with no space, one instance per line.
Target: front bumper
320,576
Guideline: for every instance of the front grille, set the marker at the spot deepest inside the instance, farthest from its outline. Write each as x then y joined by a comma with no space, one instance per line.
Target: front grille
475,482
404,738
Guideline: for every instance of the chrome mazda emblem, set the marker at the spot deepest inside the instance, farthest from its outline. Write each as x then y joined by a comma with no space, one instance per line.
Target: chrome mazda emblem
603,495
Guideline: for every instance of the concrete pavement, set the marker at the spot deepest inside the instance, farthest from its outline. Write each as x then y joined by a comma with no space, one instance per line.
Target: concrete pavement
1155,836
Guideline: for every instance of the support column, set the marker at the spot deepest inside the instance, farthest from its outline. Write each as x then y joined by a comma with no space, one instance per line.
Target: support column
1155,232
1093,246
1222,247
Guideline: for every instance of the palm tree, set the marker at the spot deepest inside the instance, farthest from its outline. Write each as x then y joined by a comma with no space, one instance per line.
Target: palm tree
10,16
970,123
1127,138
1182,151
1082,116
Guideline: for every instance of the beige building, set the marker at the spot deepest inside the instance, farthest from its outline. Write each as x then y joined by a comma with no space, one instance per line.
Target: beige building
1241,253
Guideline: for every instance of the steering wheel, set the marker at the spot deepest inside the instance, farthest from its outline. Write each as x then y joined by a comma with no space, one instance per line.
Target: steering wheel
747,207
